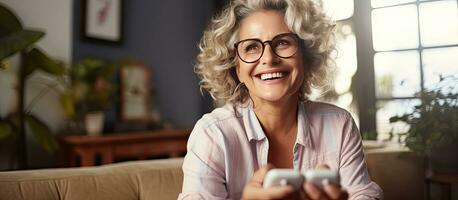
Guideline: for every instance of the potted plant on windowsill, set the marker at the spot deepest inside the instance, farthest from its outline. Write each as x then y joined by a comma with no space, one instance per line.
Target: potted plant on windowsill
90,93
433,130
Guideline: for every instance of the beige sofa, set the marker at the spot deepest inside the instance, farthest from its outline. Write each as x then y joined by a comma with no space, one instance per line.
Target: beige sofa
152,179
400,178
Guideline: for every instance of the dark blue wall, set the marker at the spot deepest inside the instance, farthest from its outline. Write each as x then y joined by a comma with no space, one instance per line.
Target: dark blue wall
164,35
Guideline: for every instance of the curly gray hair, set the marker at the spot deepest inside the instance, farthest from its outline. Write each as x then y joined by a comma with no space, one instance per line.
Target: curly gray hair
217,58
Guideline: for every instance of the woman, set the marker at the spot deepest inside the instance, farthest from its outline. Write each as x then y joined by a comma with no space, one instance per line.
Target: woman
260,59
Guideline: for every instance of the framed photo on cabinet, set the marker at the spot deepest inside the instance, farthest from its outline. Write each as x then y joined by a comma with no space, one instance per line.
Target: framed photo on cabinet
135,92
102,20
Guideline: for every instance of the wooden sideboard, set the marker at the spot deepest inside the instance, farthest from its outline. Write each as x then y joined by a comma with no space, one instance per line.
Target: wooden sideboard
84,150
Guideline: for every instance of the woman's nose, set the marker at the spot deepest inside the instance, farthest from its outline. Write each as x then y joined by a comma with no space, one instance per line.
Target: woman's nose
268,56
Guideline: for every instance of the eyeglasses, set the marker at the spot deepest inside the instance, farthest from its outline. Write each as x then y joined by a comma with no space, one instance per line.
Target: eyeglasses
284,45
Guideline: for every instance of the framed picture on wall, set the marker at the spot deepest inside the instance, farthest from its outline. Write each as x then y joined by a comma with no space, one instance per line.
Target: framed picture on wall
102,20
135,92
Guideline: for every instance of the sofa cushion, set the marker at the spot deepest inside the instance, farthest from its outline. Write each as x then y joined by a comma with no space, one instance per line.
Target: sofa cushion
151,179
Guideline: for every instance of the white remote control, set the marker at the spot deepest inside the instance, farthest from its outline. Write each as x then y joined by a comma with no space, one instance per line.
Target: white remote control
321,177
282,177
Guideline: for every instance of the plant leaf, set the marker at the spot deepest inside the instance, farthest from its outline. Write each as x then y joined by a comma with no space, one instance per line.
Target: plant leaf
5,130
68,104
2,65
394,119
108,70
9,22
36,59
42,133
18,41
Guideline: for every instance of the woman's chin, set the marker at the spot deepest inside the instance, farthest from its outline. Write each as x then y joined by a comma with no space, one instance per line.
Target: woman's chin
273,97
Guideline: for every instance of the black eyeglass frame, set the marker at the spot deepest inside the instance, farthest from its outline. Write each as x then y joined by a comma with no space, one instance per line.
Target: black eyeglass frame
295,36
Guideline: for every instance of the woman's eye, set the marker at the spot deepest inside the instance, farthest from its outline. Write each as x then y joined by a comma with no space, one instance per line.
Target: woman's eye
283,43
251,48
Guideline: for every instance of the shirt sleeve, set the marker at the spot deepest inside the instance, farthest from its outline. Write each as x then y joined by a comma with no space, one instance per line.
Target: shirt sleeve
353,170
203,166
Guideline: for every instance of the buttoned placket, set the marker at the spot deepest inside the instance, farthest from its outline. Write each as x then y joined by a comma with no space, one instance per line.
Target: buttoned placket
265,151
297,156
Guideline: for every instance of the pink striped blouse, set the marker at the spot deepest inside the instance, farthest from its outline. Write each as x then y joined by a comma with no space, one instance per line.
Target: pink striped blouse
228,145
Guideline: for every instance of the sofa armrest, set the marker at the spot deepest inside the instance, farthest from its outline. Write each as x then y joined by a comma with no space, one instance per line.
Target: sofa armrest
151,179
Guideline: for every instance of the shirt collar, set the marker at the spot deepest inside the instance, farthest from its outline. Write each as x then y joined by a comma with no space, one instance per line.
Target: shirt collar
252,126
254,130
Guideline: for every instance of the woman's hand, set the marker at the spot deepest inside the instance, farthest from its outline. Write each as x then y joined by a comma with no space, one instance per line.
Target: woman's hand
254,190
330,191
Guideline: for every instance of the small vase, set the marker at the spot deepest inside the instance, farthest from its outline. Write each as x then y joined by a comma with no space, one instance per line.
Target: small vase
94,123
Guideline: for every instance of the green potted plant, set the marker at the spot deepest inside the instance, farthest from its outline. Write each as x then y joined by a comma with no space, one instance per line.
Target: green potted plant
433,127
90,92
16,39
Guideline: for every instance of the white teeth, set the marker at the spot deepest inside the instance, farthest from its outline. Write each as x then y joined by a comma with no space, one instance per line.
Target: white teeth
271,75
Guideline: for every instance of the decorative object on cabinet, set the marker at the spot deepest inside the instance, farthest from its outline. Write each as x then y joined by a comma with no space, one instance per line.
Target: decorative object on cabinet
135,92
89,94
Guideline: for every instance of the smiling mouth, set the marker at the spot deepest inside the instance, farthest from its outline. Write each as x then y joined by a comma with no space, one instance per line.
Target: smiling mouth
272,76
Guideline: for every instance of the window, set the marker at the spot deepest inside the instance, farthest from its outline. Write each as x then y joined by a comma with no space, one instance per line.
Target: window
388,52
414,43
